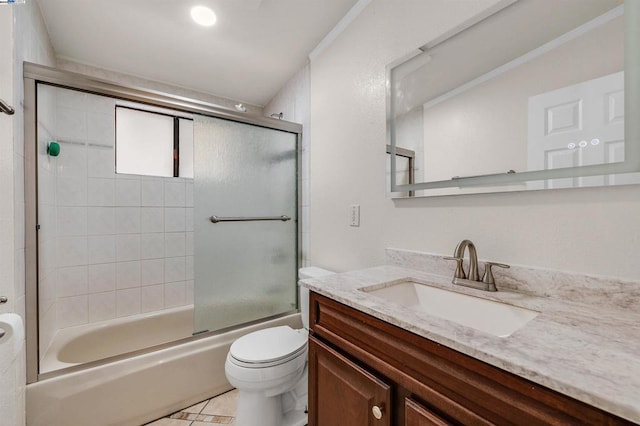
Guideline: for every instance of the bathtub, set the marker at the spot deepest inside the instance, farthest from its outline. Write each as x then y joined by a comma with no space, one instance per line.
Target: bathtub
131,390
98,341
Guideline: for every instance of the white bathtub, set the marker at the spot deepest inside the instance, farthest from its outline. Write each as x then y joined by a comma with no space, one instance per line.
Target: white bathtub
137,389
97,341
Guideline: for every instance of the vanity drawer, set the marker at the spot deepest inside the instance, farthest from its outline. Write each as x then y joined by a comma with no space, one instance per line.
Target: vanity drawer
455,387
417,415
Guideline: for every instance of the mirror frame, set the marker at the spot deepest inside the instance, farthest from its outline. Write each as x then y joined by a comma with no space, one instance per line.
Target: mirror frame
631,127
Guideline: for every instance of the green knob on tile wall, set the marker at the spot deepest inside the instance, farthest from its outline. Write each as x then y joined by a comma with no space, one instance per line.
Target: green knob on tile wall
53,149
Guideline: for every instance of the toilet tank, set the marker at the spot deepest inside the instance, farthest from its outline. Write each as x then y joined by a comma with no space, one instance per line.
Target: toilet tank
304,273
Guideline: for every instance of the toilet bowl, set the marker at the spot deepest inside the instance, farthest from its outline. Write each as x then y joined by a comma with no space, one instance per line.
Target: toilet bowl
269,369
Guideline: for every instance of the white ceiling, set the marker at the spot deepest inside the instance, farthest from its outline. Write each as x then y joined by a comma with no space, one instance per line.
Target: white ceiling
251,52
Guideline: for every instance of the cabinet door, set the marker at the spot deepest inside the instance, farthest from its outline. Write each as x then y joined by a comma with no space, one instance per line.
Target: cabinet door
418,415
342,393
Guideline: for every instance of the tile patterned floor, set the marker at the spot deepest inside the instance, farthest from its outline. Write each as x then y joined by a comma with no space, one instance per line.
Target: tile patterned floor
220,410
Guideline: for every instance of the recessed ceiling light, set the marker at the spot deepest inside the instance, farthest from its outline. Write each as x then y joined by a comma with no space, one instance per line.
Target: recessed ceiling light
203,16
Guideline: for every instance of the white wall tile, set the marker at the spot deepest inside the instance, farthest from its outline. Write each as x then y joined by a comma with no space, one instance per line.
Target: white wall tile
101,249
71,191
174,269
189,267
152,219
102,105
101,220
152,246
190,292
127,302
152,192
101,192
102,306
189,244
71,251
127,247
101,127
101,162
174,220
151,271
152,298
188,220
102,277
175,294
189,194
48,257
128,192
72,281
71,98
47,218
72,311
71,124
174,244
72,161
128,220
46,187
174,194
72,221
127,274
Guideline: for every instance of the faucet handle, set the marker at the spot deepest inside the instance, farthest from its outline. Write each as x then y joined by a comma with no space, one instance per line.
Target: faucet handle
487,278
459,269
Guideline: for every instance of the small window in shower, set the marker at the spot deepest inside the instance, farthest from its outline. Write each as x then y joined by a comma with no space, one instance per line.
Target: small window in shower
153,144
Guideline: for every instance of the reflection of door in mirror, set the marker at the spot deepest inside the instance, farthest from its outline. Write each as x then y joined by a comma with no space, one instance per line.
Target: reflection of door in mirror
577,125
405,168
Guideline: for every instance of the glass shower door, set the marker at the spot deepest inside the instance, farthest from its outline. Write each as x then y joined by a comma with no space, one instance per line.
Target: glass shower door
245,270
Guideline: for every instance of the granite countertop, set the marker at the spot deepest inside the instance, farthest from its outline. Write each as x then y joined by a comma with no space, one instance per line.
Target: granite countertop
589,351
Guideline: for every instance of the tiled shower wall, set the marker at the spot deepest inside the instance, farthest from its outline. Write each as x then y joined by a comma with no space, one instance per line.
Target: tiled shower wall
111,245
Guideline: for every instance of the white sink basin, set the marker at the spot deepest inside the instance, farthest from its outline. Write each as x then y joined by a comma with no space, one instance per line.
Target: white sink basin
499,319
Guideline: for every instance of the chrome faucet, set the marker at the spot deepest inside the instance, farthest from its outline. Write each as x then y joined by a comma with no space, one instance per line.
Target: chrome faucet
472,279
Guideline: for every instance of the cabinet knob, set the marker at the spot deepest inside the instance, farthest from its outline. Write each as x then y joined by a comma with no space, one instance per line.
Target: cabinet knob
377,412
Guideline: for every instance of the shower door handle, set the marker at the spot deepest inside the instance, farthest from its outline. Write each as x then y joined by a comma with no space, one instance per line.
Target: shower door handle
217,219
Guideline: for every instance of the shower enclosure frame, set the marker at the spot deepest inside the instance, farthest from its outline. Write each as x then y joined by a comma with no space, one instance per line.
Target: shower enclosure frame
35,74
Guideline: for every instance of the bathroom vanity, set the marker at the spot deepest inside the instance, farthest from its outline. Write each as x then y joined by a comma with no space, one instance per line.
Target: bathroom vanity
374,363
357,361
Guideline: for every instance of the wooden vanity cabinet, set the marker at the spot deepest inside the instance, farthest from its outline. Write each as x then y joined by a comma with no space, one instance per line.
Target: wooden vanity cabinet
361,368
349,392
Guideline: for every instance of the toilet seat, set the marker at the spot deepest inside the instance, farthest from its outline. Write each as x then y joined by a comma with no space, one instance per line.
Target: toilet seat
268,347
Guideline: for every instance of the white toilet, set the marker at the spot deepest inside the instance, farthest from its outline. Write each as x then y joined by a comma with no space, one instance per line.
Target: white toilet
269,369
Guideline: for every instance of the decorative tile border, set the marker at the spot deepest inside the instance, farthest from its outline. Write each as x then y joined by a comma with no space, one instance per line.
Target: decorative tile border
204,418
214,411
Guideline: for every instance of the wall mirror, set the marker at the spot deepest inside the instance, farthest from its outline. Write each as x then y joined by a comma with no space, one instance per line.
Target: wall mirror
531,94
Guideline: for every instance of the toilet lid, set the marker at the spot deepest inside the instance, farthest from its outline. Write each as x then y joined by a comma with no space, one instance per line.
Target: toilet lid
269,345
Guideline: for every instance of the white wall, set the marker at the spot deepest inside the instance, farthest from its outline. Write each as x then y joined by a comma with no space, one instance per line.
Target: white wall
23,37
6,161
593,231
